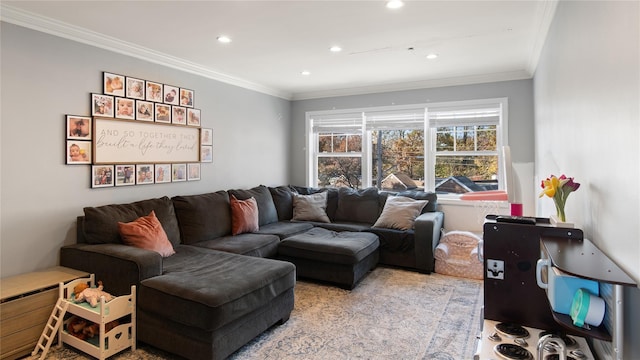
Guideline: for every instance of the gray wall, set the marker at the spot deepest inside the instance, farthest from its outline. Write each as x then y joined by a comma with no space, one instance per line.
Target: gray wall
45,77
519,93
587,123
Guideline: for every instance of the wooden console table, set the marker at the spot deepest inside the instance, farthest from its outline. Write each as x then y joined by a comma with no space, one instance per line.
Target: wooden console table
26,301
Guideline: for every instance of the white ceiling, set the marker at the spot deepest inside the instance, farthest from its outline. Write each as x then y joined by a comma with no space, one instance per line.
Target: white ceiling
274,41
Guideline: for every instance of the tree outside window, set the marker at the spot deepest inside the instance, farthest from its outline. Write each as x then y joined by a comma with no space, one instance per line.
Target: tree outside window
398,153
337,167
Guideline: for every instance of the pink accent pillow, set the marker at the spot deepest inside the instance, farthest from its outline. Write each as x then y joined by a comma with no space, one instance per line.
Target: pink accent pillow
146,232
244,215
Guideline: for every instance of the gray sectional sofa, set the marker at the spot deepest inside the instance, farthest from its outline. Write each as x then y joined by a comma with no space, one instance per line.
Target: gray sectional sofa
218,291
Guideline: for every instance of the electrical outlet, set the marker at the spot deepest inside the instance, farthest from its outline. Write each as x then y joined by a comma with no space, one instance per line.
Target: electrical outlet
495,269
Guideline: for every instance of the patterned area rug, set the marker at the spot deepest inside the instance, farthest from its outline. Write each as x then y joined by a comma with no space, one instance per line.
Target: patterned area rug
391,314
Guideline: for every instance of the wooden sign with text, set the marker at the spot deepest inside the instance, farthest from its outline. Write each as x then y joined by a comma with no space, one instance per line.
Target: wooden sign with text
125,142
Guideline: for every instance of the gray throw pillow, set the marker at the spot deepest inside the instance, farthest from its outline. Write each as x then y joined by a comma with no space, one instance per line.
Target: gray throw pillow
310,207
400,213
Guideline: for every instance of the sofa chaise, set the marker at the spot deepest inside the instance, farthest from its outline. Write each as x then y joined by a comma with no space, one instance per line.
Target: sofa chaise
215,290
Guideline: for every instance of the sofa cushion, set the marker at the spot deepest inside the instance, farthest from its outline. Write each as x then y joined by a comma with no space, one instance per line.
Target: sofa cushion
360,206
320,244
146,232
400,213
422,195
284,229
244,215
250,244
332,203
343,226
397,247
100,225
266,208
310,207
283,201
204,216
306,190
208,289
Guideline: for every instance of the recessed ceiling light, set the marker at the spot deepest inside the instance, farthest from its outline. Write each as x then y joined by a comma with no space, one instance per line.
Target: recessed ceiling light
224,39
432,56
335,48
395,4
306,73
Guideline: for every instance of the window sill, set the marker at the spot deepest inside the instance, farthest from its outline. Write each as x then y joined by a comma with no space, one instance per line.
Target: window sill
455,201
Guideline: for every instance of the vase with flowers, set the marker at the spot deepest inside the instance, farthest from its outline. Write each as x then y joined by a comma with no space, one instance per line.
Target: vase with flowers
559,189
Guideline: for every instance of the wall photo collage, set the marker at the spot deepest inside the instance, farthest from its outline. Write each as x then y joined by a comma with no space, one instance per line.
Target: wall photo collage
140,132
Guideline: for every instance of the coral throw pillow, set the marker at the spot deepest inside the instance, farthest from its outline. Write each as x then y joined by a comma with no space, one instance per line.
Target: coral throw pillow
146,232
244,215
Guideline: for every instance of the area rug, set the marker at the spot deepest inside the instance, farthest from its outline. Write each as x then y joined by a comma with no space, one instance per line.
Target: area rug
391,314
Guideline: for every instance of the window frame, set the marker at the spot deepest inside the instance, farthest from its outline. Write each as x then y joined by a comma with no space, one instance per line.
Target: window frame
429,128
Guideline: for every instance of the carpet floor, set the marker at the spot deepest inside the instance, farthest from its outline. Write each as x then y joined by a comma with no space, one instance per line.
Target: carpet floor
391,314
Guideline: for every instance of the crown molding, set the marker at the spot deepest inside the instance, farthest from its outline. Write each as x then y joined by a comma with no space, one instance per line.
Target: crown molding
415,85
548,10
50,26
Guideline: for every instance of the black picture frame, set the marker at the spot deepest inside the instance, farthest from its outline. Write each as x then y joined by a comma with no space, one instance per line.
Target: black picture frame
102,176
78,127
113,84
187,97
102,105
171,95
135,88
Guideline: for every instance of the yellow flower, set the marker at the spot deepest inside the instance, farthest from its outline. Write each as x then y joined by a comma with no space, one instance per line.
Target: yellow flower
549,186
558,189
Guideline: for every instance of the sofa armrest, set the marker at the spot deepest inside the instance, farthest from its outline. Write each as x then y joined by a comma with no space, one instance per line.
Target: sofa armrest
427,236
118,266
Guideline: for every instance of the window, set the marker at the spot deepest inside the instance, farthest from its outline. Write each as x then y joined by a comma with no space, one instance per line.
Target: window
337,143
465,157
396,147
446,147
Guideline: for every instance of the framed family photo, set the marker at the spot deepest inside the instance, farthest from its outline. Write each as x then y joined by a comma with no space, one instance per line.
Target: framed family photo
78,127
144,110
78,152
163,173
163,113
101,105
144,174
193,117
186,97
193,171
125,108
135,88
125,175
170,95
101,176
113,84
179,115
206,154
178,172
153,91
206,136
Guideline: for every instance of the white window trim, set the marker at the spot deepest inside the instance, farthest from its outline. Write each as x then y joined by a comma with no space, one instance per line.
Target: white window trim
429,146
